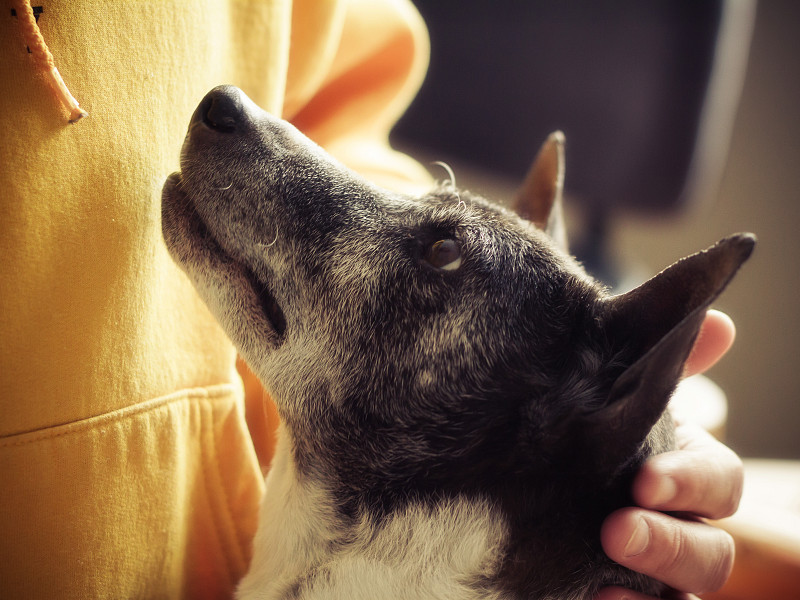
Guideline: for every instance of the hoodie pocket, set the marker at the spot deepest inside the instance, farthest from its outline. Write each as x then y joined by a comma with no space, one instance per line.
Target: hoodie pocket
159,499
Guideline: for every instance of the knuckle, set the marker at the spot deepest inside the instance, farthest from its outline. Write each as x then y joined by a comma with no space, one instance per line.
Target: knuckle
674,552
722,565
717,486
737,482
702,488
730,483
702,563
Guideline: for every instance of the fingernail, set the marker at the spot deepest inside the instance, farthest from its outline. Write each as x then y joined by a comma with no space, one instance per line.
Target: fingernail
665,490
639,541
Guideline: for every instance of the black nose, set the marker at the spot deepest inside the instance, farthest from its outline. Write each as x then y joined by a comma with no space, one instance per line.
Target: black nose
221,109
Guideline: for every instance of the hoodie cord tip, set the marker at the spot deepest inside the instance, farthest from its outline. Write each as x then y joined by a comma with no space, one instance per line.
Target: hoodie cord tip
44,60
76,113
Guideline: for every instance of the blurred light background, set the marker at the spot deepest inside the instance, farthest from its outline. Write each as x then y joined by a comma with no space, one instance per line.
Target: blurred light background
741,173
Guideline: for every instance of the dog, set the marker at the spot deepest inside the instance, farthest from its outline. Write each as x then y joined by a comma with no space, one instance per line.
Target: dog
461,404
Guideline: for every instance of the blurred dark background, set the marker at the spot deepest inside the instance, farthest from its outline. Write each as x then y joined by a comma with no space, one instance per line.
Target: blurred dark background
682,121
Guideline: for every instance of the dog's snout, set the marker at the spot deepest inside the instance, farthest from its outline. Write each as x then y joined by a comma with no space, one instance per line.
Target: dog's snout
221,109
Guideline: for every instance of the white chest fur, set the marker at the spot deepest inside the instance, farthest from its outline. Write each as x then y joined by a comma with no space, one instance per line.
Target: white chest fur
420,552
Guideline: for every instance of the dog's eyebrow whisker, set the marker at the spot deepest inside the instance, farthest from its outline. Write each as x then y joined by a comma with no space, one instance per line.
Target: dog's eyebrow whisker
448,169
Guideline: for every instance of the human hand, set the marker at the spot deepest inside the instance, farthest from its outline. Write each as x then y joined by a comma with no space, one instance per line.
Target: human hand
702,479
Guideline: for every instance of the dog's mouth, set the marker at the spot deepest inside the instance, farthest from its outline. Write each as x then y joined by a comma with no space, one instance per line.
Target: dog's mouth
190,239
269,305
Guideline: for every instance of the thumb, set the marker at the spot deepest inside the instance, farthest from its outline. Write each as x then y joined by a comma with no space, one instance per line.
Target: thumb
715,338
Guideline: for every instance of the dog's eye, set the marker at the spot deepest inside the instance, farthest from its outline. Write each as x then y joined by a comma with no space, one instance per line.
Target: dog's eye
444,255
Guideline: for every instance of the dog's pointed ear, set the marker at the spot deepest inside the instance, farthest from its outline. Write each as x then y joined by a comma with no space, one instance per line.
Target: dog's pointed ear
539,198
654,328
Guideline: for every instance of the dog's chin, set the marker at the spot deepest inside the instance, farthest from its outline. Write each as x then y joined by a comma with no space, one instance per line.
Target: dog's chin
192,245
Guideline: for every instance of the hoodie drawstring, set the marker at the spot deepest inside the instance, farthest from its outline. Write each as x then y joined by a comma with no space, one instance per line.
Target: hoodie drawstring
44,59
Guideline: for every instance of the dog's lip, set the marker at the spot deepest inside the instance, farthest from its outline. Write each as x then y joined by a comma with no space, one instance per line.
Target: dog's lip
172,186
182,207
175,178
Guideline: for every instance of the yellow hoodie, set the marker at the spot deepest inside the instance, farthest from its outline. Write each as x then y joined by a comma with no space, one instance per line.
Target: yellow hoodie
126,466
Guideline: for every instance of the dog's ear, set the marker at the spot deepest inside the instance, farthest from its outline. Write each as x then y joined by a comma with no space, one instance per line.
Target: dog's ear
539,198
654,328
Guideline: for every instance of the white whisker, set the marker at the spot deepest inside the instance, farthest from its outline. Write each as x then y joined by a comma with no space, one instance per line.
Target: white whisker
452,176
448,169
272,243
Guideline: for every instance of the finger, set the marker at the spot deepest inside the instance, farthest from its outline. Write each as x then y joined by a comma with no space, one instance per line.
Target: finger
704,477
686,555
618,593
715,338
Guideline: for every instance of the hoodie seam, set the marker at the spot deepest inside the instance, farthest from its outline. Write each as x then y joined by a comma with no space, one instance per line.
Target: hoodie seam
212,393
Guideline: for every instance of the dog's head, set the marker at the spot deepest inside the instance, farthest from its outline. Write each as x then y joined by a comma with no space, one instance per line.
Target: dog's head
445,341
